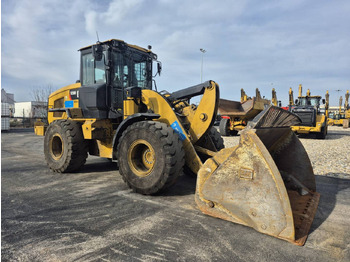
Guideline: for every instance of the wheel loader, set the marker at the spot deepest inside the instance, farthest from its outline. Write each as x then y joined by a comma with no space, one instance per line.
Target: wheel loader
236,115
339,116
312,120
266,182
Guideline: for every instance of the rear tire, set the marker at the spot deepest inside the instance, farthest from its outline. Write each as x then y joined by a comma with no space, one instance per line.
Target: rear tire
64,146
224,126
150,157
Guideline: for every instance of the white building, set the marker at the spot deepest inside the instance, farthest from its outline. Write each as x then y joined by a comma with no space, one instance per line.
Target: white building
31,109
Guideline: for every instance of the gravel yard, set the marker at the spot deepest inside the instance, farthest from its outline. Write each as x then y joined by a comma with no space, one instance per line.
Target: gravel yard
329,157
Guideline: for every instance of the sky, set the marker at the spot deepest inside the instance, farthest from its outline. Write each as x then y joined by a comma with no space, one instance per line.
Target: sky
249,44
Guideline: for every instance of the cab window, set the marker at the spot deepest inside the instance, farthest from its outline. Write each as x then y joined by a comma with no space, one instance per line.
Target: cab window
88,69
93,72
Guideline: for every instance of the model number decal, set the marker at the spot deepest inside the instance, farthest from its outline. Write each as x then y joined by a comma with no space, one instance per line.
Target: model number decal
74,94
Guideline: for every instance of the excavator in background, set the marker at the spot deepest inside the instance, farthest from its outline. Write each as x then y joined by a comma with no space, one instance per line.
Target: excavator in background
291,98
312,120
274,100
340,115
346,121
265,182
290,102
236,115
330,115
341,118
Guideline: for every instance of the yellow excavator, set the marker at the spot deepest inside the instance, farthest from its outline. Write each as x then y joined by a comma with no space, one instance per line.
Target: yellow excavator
291,97
341,116
266,182
274,100
330,115
346,121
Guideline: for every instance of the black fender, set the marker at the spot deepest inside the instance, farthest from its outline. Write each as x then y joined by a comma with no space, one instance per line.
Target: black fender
127,122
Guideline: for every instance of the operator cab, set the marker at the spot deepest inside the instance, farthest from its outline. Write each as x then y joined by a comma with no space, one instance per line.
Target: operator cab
108,71
307,108
309,101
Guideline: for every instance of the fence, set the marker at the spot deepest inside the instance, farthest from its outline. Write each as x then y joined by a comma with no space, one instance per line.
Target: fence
24,122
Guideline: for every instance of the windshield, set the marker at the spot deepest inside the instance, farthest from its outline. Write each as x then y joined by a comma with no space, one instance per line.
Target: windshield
309,101
132,69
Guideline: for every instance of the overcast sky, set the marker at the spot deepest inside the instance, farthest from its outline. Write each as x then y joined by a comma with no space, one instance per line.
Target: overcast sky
250,44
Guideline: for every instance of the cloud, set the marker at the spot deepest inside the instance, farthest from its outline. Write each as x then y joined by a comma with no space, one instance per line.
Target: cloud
249,44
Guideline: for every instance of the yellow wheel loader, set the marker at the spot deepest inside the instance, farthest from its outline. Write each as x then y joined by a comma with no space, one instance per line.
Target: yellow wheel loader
236,115
312,120
266,182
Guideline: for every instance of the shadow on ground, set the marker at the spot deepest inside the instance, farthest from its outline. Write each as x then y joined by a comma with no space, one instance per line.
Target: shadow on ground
328,187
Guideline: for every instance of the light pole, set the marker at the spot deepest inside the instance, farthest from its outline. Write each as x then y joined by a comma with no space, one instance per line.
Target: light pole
203,51
339,90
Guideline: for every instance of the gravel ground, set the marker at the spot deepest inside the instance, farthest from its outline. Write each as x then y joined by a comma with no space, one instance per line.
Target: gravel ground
329,157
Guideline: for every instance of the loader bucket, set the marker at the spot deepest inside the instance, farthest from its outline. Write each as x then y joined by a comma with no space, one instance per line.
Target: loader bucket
266,182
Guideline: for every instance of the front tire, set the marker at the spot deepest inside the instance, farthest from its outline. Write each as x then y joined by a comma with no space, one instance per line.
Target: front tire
150,157
64,146
323,134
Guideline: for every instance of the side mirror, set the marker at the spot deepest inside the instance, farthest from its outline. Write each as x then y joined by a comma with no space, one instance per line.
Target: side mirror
159,68
323,101
97,52
296,101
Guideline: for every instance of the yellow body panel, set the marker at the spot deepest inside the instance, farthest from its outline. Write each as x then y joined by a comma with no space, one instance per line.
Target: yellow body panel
105,148
159,105
61,95
201,118
338,122
102,132
320,119
39,128
330,121
130,107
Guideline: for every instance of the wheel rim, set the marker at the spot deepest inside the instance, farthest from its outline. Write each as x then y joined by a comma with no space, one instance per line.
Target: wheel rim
56,146
141,158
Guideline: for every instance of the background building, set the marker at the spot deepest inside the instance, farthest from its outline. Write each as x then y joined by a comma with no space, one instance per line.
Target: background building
31,109
7,109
